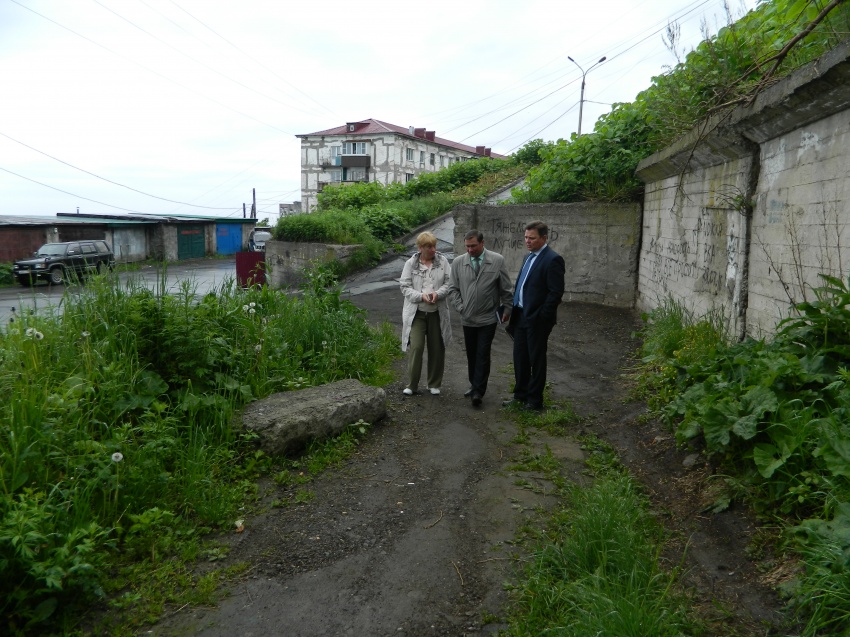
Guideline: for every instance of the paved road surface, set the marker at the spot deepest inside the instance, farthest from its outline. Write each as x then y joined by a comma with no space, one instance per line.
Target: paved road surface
208,274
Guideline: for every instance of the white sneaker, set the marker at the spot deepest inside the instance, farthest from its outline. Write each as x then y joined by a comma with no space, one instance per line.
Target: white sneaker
434,391
407,391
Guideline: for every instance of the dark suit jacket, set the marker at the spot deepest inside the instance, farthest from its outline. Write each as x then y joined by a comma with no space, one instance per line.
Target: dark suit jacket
543,289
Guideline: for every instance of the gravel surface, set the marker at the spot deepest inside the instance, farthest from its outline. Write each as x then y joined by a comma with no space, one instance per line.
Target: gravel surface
414,534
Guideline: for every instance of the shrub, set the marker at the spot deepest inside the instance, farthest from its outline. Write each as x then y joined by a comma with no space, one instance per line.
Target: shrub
6,277
119,428
330,226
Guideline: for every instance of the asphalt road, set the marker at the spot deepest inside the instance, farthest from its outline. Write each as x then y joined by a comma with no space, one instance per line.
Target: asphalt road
204,274
207,274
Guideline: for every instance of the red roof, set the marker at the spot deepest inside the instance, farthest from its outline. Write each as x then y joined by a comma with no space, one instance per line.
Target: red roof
374,126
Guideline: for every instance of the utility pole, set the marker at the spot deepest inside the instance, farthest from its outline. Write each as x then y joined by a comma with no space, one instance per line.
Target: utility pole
581,99
254,205
243,210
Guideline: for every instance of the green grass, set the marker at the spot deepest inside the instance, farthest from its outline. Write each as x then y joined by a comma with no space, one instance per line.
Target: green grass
595,565
373,215
773,417
118,447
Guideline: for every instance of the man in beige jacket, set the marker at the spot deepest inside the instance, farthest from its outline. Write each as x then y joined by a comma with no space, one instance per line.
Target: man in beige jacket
480,289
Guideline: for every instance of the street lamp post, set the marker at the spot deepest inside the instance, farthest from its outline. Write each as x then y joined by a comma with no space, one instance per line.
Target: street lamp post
583,75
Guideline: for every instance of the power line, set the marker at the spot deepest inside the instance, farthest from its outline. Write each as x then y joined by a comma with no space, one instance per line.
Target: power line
141,192
652,30
544,128
142,66
71,193
186,55
527,124
656,30
520,110
206,26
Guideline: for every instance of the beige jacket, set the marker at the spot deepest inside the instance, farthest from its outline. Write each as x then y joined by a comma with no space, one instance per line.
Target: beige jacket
411,287
478,297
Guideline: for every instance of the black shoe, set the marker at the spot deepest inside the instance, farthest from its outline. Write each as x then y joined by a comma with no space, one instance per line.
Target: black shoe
533,407
513,402
476,400
467,393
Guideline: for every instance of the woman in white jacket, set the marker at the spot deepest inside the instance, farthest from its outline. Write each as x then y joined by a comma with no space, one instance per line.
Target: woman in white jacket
425,315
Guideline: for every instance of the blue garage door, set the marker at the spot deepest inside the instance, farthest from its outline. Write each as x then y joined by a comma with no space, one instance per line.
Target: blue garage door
228,238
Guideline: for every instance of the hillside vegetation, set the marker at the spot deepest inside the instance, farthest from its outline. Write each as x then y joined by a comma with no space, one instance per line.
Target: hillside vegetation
373,214
725,70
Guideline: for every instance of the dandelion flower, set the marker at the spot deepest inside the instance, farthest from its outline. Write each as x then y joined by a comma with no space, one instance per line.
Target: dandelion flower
85,334
252,304
258,347
39,336
30,331
117,456
252,311
245,307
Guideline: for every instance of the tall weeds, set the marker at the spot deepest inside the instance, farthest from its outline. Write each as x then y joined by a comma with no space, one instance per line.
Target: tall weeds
773,416
118,428
597,570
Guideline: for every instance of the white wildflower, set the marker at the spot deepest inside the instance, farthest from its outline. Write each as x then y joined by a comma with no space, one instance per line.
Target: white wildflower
251,311
245,307
30,332
39,336
117,456
252,304
85,334
258,348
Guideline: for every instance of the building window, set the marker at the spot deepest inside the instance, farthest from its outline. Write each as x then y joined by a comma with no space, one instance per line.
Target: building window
422,157
336,155
432,159
409,155
355,148
355,174
408,177
336,176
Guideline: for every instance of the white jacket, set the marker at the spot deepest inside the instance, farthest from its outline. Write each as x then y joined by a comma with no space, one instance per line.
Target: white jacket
411,288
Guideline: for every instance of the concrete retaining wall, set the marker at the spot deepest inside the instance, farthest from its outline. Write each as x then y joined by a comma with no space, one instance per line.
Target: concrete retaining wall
741,216
287,260
693,241
599,243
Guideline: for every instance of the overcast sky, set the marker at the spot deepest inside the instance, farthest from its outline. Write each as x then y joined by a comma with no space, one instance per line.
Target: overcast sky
195,102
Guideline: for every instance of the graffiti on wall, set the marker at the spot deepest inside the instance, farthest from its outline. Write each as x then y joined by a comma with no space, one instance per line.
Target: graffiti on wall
699,257
504,235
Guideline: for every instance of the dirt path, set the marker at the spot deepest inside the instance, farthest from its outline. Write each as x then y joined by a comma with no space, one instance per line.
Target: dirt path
413,535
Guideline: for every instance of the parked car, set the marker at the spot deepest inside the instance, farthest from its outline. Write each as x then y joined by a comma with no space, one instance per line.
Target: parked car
257,240
60,262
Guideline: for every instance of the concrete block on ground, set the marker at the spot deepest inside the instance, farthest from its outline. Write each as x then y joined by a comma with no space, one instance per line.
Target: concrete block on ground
287,421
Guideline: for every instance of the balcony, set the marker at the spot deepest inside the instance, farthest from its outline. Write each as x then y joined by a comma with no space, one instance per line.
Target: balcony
356,161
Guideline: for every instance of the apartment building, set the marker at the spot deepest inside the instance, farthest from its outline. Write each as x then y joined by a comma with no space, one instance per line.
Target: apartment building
372,150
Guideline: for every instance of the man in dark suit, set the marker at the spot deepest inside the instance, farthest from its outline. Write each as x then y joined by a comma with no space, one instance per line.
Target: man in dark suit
537,294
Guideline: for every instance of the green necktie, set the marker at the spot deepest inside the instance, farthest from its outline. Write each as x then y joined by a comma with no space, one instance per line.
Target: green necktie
475,264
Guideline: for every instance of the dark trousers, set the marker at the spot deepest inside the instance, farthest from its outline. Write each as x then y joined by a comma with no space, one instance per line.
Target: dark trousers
479,341
531,340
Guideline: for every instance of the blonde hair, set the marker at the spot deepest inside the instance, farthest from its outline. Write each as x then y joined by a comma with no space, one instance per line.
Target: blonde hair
426,239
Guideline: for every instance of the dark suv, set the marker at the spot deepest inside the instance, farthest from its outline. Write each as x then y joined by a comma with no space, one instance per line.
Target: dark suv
61,262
